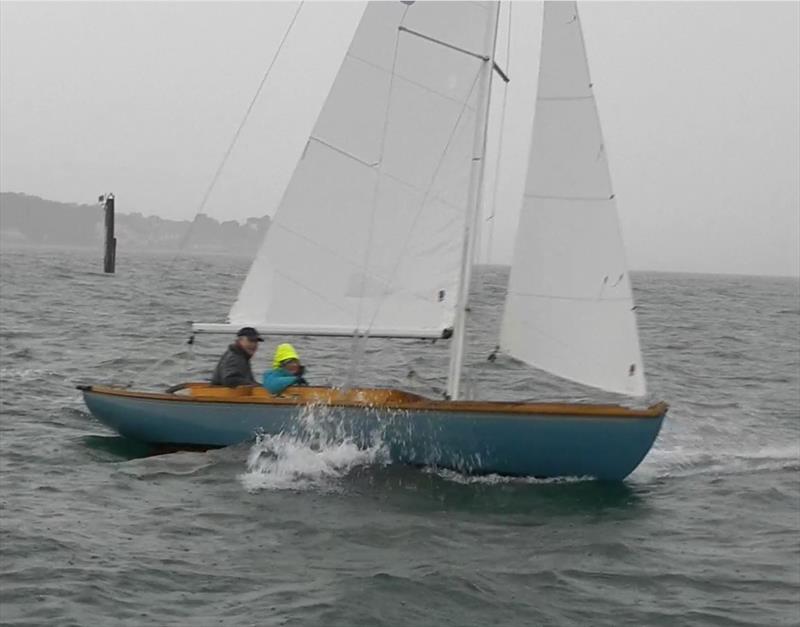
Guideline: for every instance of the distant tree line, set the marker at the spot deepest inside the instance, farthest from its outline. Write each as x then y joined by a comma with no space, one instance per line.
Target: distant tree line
30,220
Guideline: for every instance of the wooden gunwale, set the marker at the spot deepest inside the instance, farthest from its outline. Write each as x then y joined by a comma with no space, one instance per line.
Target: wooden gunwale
411,402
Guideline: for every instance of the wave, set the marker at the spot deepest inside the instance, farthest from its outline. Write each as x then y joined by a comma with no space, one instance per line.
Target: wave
494,479
682,463
311,455
315,453
26,374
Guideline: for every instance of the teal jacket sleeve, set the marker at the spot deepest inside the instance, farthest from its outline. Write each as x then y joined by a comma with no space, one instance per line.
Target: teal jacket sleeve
276,381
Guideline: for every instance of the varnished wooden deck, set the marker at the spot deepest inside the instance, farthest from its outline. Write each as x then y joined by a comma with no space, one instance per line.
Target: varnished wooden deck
377,398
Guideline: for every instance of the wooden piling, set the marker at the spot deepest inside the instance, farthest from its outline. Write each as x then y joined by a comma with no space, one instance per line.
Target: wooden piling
110,258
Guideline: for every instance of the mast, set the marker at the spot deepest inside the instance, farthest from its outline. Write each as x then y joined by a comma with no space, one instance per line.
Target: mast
473,208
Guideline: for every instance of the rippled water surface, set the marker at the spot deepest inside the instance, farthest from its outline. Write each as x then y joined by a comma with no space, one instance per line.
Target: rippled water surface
96,531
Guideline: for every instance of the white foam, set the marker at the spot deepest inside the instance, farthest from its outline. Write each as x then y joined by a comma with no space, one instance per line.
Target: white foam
679,461
25,374
314,455
493,479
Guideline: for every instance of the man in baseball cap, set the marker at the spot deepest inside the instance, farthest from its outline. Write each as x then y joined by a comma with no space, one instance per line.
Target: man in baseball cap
233,368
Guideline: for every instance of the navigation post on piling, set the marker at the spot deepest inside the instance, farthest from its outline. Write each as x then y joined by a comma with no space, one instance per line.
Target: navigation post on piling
110,258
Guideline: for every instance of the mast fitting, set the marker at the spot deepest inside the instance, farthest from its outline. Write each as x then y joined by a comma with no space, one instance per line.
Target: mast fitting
482,57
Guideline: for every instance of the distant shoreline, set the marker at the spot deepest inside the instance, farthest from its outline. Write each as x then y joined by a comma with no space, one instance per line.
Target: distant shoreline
33,223
15,246
30,222
210,252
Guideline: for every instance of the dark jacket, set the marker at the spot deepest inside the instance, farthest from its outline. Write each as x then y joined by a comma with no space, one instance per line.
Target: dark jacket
233,368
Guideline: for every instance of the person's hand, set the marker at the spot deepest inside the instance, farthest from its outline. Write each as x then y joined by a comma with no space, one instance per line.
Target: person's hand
301,370
301,381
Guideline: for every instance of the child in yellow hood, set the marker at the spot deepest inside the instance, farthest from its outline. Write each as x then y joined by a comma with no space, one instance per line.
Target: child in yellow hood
286,370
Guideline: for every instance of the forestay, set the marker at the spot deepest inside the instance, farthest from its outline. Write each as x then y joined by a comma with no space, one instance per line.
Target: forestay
368,235
569,308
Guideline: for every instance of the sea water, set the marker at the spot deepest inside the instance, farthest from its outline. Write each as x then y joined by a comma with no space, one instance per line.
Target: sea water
309,529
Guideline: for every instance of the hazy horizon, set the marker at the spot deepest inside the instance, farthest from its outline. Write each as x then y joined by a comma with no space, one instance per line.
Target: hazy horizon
699,103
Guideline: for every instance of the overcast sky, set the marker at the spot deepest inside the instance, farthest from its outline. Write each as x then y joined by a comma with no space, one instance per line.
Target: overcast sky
699,103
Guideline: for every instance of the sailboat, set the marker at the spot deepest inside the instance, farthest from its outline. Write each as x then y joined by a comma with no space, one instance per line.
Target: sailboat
383,209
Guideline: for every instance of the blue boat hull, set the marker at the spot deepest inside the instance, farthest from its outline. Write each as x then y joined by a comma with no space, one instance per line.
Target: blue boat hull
476,442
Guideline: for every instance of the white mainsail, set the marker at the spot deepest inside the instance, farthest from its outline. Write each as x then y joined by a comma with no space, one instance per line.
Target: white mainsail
569,308
368,236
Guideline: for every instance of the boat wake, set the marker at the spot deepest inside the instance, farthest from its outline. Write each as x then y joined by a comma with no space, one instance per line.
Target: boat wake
679,462
312,455
493,479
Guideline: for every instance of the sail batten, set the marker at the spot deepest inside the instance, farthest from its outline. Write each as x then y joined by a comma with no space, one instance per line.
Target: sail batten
569,308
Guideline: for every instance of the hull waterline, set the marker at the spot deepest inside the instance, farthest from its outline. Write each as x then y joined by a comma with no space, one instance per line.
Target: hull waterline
541,440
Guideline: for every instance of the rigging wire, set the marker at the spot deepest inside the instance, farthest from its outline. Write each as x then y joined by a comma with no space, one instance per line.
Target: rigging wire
231,145
425,199
491,218
376,186
358,349
223,162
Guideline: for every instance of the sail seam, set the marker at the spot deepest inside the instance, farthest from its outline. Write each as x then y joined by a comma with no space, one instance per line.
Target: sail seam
426,196
330,251
561,98
343,152
637,360
571,198
614,389
314,292
383,173
377,183
386,283
407,80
